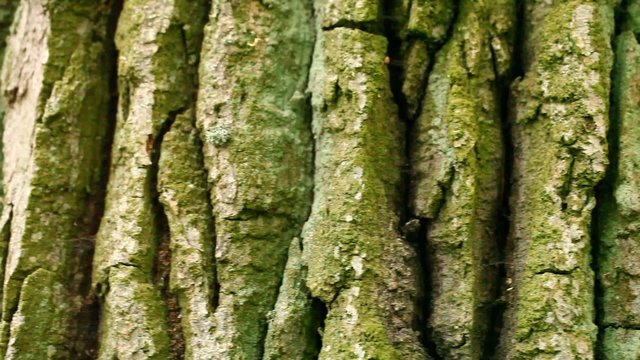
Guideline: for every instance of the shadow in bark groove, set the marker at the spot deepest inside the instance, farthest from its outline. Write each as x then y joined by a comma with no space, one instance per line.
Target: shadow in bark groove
162,266
414,230
605,188
87,337
504,245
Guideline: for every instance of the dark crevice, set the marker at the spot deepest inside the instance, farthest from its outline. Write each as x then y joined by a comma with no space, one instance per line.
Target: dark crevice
554,272
215,284
5,237
604,189
12,311
88,318
425,253
414,230
434,49
504,244
370,27
318,316
625,327
162,265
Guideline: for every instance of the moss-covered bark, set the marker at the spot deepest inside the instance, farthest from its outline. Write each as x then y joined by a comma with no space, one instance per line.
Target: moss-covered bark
457,162
560,121
358,263
319,179
253,119
55,86
618,265
157,60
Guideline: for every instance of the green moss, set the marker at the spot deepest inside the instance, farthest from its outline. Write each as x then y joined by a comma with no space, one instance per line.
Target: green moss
620,344
561,154
618,272
354,218
252,117
363,13
457,164
41,308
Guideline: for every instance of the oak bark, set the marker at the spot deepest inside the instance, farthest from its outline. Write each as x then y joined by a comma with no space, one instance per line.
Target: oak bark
320,179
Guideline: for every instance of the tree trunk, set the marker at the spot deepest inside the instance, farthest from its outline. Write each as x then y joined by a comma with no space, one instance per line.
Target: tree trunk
320,179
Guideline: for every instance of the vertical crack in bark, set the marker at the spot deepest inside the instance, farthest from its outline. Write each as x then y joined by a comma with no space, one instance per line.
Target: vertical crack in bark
401,57
457,158
142,226
162,268
5,237
360,139
87,335
251,120
295,308
615,227
56,87
560,138
504,240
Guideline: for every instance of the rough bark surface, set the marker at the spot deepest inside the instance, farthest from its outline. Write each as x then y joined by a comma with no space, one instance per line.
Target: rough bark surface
252,116
559,128
320,179
56,110
359,265
457,161
619,271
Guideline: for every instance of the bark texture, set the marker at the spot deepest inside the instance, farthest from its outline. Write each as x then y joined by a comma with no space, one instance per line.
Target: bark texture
559,127
320,179
457,160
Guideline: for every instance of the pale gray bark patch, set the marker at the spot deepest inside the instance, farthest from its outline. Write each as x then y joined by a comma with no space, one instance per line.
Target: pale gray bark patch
252,117
560,121
157,59
55,99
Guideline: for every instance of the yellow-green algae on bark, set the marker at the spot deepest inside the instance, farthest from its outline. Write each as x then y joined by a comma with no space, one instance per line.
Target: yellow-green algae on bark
158,49
618,265
457,164
358,264
560,121
253,118
55,98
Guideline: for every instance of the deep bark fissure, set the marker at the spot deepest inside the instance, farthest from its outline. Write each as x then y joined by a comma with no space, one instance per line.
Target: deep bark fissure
162,265
215,284
503,245
426,271
318,308
89,315
605,187
413,229
370,27
5,237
